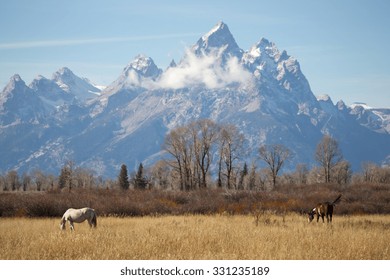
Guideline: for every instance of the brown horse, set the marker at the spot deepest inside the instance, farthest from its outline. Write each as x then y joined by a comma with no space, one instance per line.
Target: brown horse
323,209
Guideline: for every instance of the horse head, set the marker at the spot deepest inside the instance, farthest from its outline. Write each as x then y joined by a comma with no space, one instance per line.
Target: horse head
310,214
62,224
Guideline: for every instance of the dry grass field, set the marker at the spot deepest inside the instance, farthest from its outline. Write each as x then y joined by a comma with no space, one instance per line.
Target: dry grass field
267,236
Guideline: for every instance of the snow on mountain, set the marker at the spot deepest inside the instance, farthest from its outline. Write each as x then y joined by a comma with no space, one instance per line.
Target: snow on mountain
213,62
220,40
375,119
277,71
327,105
140,72
19,104
81,88
50,92
262,91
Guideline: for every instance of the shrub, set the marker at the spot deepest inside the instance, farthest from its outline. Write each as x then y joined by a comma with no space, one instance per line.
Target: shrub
356,199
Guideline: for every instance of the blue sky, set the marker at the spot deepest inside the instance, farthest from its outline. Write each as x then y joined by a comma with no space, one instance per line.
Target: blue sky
342,46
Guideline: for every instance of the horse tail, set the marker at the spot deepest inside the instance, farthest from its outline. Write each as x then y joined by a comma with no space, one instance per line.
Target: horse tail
337,200
94,219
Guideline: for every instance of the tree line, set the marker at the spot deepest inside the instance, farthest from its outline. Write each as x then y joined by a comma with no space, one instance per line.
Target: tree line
203,155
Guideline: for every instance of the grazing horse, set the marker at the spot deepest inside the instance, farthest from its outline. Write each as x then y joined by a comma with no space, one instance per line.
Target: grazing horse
323,209
78,216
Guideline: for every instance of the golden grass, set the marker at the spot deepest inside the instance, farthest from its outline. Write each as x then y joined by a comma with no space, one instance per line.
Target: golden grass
198,237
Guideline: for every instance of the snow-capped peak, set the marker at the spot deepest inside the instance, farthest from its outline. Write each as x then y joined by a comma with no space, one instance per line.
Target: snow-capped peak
81,88
325,98
360,104
14,82
217,38
37,82
40,77
217,28
341,105
141,69
260,46
16,78
144,66
64,77
269,49
64,71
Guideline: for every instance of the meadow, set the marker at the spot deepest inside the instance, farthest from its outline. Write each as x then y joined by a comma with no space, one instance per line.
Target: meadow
198,237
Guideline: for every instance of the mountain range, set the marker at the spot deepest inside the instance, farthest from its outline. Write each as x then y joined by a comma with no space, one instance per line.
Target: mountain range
262,91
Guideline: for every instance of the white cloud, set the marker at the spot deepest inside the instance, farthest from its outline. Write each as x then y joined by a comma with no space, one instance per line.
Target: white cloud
76,42
203,70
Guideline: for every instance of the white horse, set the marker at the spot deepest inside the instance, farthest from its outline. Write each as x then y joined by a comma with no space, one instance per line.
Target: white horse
78,216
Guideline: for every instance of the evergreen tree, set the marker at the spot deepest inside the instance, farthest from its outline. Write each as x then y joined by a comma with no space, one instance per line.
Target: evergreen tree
64,179
123,179
243,173
140,181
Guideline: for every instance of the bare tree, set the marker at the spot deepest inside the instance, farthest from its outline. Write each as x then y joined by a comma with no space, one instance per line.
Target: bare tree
274,156
38,178
12,180
231,145
41,181
26,181
178,145
3,183
373,173
204,134
192,147
302,172
368,169
343,172
252,180
160,173
83,178
328,155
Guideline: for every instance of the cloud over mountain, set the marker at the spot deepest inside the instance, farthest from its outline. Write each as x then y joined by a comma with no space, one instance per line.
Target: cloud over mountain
205,70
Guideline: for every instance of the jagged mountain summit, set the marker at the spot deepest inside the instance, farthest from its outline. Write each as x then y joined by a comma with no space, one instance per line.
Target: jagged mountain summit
138,73
376,119
262,91
18,102
218,39
80,88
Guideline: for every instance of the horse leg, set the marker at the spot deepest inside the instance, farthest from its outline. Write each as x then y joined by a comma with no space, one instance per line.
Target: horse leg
94,220
322,217
71,225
